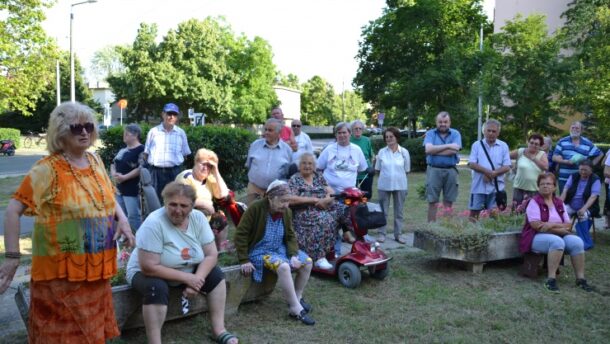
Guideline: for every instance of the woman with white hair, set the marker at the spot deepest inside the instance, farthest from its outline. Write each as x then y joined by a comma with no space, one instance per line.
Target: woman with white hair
317,215
341,161
265,242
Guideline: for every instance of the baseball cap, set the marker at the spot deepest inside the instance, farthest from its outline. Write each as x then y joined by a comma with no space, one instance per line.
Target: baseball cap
171,107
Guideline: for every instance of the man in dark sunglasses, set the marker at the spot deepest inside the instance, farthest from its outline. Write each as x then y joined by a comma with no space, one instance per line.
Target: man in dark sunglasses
166,148
302,139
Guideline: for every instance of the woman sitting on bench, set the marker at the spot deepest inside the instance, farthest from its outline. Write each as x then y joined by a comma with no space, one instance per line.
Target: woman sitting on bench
547,230
265,241
175,247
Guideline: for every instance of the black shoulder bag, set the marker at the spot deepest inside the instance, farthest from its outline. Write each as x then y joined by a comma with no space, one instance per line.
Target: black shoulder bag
501,198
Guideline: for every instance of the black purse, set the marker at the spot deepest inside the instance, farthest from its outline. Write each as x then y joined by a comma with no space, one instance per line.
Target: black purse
501,197
370,216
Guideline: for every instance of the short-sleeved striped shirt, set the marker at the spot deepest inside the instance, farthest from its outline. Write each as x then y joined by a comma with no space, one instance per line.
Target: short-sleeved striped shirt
566,149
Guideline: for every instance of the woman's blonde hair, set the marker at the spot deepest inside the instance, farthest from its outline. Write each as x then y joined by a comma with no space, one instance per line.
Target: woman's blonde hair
59,124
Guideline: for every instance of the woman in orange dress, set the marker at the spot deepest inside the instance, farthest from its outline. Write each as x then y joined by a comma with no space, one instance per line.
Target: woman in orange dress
73,242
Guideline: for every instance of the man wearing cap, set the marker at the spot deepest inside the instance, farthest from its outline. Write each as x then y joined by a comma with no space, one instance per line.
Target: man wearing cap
165,149
303,141
268,159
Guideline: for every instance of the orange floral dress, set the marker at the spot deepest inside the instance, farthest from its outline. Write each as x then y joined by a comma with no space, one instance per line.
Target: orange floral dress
73,251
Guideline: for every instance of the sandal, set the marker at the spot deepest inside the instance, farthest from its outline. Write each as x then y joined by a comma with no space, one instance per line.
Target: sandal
401,240
348,237
303,317
381,238
224,337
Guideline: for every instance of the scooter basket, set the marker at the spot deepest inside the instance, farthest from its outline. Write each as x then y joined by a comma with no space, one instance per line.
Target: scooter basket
370,216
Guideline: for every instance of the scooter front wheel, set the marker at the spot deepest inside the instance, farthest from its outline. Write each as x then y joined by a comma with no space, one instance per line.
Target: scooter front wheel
380,274
349,275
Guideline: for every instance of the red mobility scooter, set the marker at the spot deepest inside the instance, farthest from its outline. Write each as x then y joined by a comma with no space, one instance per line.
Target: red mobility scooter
363,255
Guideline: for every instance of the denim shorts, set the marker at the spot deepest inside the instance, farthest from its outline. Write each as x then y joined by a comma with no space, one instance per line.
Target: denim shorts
482,201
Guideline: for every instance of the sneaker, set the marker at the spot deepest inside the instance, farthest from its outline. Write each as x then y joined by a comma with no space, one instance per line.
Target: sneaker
582,283
551,285
303,317
184,302
306,306
323,264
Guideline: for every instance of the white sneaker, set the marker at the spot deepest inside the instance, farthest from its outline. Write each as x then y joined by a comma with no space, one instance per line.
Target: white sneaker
323,264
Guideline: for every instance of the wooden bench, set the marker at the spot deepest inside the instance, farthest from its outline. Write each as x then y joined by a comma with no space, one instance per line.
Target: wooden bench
128,303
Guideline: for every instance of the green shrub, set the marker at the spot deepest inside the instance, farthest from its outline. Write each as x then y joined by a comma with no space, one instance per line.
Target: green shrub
377,143
603,146
11,134
231,145
417,153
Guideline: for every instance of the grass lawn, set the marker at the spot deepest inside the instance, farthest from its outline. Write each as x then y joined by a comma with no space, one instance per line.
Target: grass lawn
424,300
427,300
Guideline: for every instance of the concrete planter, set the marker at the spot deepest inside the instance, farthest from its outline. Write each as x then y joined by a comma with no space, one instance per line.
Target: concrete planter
500,246
128,303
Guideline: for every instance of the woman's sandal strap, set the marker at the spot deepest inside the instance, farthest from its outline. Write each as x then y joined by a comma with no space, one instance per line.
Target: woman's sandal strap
225,337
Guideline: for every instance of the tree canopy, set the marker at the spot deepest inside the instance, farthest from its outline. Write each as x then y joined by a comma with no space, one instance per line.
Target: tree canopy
37,117
201,64
586,35
106,62
420,57
525,75
25,54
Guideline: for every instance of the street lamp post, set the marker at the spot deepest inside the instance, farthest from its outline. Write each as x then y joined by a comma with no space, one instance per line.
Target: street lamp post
72,90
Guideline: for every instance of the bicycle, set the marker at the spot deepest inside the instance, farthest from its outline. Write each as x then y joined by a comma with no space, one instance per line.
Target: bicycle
36,138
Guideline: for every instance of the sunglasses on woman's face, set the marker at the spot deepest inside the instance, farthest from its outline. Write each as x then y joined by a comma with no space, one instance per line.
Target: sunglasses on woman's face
77,129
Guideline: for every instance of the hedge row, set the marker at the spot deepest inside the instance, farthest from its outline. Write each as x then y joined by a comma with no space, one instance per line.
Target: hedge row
230,144
11,134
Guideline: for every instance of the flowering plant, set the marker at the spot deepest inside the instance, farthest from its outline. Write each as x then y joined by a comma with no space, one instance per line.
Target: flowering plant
123,255
464,233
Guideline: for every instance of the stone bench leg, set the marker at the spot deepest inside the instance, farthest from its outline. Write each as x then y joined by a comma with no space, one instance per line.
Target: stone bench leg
475,268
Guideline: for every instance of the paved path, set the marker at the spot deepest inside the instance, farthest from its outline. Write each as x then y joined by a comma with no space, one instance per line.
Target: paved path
12,328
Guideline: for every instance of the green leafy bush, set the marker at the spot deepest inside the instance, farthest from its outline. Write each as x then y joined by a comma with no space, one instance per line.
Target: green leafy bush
11,134
231,145
417,153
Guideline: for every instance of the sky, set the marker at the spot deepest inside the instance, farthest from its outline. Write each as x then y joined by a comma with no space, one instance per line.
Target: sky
308,37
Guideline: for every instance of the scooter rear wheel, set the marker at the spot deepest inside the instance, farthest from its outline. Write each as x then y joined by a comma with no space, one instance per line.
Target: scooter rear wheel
349,275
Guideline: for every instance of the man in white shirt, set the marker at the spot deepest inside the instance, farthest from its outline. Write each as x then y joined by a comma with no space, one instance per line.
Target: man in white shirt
166,148
303,141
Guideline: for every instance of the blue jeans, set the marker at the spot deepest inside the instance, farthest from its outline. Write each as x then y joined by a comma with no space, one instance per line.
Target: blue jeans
131,208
